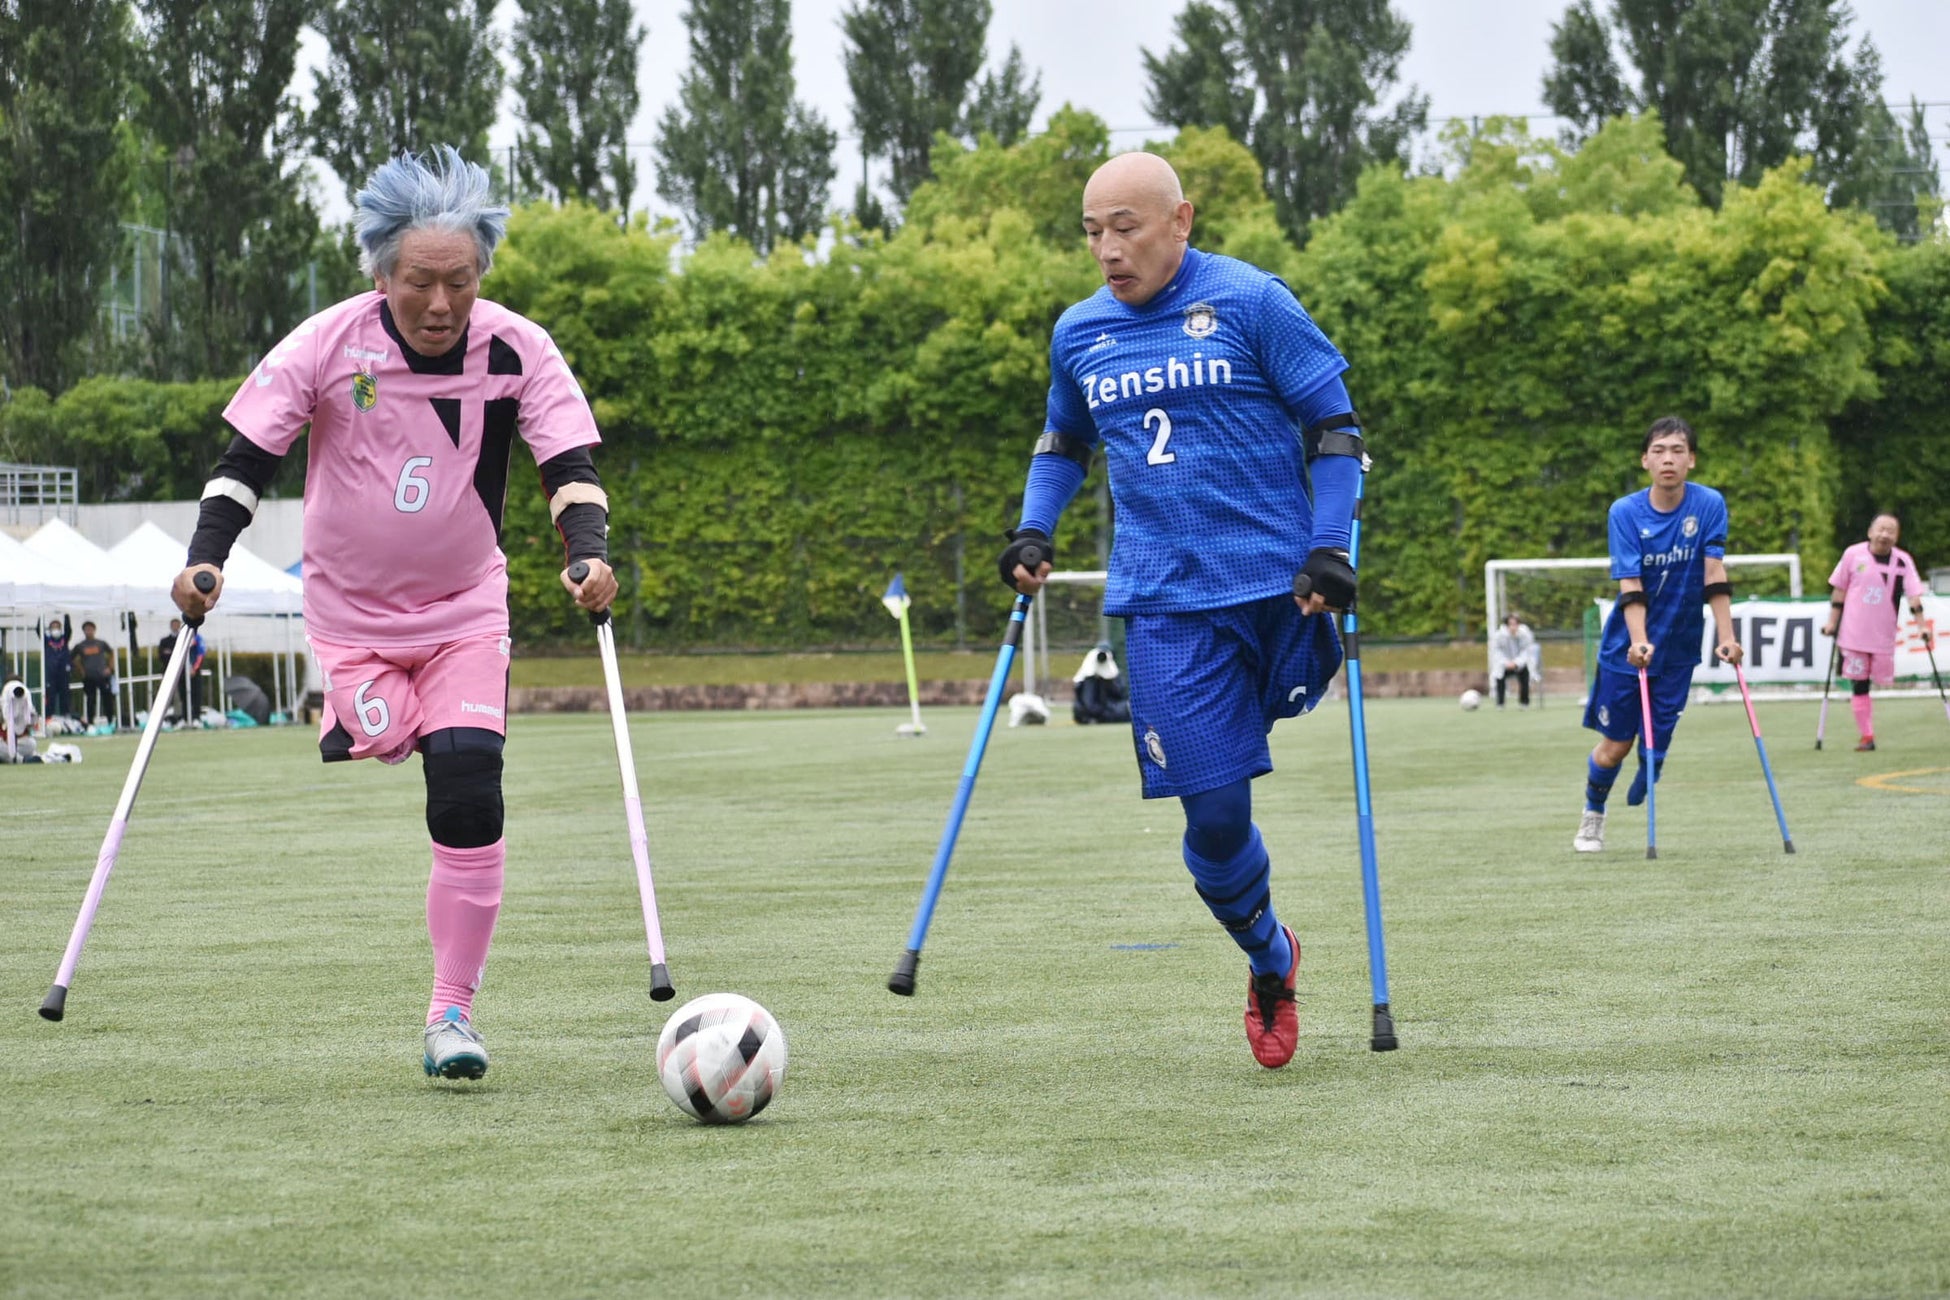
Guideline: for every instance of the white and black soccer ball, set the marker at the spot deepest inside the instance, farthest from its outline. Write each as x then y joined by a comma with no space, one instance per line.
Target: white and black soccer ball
1471,700
721,1058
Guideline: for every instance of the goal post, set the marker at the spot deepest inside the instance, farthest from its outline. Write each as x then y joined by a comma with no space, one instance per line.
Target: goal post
1073,614
1557,594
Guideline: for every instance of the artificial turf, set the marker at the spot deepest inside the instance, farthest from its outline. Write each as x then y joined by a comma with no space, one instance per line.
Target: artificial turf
1719,1073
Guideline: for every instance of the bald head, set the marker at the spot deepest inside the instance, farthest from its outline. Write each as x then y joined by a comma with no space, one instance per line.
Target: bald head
1138,223
1136,178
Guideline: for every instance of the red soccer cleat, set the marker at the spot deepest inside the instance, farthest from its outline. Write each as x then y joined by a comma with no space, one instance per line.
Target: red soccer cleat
1272,1018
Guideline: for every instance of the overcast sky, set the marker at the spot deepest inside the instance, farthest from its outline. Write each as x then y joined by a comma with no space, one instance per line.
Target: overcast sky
1472,57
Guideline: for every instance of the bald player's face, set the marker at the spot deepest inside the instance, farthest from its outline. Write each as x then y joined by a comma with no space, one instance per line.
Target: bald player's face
1137,236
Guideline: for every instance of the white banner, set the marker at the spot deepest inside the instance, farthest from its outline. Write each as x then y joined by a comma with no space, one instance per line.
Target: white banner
1782,641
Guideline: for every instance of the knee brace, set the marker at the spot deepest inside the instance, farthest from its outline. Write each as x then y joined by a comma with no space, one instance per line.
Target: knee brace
1218,823
463,771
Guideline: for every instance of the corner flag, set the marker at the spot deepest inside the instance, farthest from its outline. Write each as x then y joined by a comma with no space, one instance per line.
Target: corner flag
896,598
896,601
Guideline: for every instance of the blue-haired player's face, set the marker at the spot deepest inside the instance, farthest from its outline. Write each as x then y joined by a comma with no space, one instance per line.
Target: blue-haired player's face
1669,459
432,288
1137,238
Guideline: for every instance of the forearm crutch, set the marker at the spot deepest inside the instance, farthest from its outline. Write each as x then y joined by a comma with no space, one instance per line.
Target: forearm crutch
54,1006
902,980
1787,841
661,989
1382,1037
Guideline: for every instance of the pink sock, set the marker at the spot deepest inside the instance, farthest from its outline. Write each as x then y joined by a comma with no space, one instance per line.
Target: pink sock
1864,716
463,898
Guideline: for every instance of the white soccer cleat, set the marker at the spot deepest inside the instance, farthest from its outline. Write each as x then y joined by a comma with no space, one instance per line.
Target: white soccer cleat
1591,833
453,1049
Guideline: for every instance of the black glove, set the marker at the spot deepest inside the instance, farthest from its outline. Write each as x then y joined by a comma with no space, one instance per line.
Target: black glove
1328,574
1028,547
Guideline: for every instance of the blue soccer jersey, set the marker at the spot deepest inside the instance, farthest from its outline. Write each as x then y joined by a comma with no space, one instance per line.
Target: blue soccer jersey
1196,395
1667,552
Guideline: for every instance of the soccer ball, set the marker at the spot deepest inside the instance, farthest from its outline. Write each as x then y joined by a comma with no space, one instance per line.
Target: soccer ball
1470,700
721,1058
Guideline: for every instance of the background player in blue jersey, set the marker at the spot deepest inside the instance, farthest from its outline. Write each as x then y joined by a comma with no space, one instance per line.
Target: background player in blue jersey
1216,399
1668,552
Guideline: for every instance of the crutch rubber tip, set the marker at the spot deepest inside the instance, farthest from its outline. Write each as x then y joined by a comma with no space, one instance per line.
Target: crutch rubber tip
56,1004
660,986
902,980
1384,1030
1651,853
1788,845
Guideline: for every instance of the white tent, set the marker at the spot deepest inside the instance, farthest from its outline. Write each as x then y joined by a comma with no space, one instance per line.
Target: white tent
29,580
150,559
96,584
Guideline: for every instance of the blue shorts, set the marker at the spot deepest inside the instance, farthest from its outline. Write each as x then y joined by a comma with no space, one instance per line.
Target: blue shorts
1614,710
1207,687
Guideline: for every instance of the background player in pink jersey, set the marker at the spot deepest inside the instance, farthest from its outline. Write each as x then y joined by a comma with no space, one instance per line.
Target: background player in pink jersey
413,395
1867,587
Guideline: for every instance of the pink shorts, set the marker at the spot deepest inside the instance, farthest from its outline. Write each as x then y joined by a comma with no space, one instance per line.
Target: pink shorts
378,703
1867,665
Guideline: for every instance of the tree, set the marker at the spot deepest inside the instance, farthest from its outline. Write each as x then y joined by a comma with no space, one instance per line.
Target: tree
1042,177
1300,83
403,76
911,66
1893,176
1004,103
738,153
215,76
575,78
1739,84
63,88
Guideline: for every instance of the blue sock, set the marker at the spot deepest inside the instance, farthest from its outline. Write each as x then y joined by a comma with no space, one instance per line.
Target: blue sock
1636,795
1238,893
1597,785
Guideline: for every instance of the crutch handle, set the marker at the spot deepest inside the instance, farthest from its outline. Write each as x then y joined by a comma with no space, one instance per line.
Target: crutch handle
206,583
577,573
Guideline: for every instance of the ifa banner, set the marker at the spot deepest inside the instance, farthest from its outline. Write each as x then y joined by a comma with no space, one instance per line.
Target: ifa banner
1782,641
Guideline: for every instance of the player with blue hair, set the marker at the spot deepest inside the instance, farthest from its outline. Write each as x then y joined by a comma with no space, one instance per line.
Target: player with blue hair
1668,553
412,396
1219,405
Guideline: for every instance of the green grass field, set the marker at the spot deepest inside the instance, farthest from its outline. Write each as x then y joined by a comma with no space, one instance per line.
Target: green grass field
568,668
1717,1074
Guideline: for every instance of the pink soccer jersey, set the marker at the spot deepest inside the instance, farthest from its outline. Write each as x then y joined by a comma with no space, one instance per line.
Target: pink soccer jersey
1870,607
408,469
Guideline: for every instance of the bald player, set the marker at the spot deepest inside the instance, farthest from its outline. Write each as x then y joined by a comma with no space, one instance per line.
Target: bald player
1234,454
412,396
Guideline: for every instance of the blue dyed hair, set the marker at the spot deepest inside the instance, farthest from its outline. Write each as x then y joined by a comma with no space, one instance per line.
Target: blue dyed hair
441,192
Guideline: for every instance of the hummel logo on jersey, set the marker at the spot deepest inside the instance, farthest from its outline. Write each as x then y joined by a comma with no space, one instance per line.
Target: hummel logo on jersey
365,354
1103,341
468,706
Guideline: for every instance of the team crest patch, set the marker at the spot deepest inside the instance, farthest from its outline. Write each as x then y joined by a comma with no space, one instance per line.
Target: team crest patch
365,391
1691,525
1154,747
1200,320
1604,716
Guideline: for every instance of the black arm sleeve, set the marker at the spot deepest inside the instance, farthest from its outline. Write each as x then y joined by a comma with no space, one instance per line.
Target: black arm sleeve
584,525
221,518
